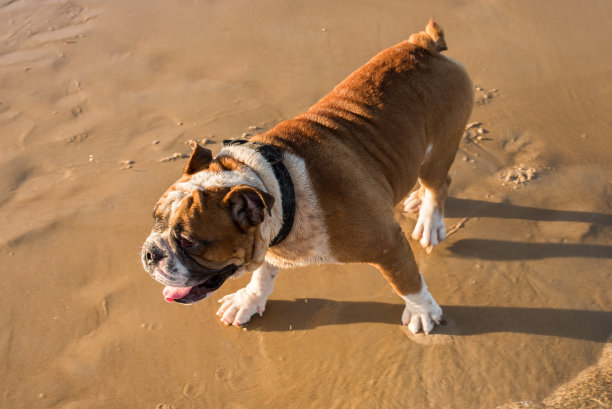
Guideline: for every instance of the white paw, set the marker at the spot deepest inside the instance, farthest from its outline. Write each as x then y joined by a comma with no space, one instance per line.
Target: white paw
430,229
238,308
422,312
421,321
413,202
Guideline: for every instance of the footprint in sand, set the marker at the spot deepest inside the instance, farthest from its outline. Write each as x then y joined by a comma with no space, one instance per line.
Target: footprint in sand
475,132
474,147
484,96
223,374
517,175
516,149
516,143
77,138
193,391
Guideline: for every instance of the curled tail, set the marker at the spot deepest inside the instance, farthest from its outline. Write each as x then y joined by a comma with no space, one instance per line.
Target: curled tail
432,38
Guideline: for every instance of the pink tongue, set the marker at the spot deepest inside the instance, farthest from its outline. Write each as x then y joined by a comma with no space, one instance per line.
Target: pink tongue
175,293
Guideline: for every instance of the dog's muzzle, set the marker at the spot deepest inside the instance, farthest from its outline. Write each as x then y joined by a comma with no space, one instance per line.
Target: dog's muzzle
201,291
151,255
205,280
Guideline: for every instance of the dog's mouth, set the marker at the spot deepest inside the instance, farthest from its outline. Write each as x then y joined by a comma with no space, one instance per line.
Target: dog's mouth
190,295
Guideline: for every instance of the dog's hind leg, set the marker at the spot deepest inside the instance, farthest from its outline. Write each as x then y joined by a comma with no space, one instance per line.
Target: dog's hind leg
430,198
430,228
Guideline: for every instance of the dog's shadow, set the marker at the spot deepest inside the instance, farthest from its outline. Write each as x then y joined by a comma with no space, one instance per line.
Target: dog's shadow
456,207
307,314
504,250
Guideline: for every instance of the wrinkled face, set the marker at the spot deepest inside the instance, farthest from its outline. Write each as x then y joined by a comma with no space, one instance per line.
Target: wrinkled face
201,237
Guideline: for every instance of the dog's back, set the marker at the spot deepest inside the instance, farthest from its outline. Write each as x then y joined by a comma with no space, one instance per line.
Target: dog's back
387,112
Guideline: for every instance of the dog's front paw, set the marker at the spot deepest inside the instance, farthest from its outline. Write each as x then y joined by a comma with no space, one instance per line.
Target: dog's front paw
238,308
421,321
422,312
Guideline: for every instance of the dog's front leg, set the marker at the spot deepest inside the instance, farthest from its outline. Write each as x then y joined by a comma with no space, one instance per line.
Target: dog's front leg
399,267
239,307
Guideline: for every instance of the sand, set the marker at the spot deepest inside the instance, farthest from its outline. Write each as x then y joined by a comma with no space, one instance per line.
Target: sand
97,101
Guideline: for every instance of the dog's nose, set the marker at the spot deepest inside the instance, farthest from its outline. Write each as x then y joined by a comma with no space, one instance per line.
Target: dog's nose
153,254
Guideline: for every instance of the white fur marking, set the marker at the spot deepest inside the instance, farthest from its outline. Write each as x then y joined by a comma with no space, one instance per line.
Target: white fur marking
238,308
259,167
430,229
308,241
427,153
422,311
178,275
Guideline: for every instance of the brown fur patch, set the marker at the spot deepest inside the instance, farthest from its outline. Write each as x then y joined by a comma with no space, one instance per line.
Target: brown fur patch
206,219
364,145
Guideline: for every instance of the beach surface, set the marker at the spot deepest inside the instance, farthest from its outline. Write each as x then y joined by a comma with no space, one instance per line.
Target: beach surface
97,102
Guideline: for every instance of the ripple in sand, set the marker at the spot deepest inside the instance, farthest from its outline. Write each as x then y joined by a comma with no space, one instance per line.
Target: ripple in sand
182,403
70,31
26,56
590,389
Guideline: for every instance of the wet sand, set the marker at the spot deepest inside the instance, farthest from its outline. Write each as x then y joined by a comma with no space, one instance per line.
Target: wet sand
98,99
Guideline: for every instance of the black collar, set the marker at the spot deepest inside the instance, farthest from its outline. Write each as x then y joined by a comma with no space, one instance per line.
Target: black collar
275,159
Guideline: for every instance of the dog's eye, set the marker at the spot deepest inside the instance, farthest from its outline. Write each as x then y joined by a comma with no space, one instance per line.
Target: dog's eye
186,243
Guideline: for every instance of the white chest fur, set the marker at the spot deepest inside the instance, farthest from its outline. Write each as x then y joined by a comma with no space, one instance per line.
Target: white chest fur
308,241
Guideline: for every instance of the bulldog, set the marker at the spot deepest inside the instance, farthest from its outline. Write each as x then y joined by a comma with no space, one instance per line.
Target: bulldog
321,188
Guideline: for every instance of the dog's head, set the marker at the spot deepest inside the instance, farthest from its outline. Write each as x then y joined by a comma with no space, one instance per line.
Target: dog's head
203,234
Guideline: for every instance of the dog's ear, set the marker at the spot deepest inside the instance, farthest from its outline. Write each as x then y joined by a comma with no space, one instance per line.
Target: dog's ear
199,160
248,205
